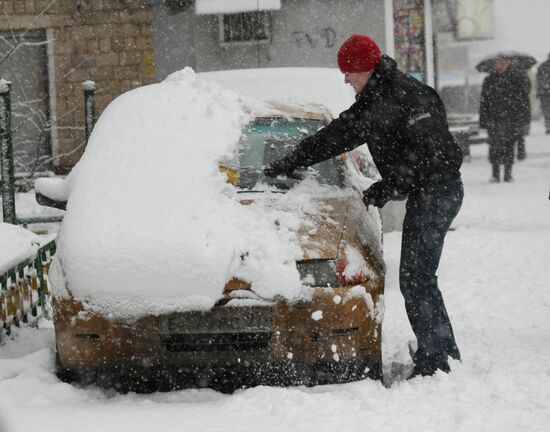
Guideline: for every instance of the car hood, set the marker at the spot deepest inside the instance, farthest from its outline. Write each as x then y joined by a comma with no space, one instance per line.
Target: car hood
319,233
322,241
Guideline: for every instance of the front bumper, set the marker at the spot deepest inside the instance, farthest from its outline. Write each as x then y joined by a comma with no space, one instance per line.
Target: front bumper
310,342
226,378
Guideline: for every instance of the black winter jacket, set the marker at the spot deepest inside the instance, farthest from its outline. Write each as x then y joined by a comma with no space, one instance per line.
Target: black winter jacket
404,125
505,100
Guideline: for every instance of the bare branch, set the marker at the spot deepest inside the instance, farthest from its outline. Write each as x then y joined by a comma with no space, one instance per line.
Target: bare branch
30,27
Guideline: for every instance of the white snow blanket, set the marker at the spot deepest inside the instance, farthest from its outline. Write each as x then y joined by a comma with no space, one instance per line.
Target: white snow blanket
494,277
152,225
324,86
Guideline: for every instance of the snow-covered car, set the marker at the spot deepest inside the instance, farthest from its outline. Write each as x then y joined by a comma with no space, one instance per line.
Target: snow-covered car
180,263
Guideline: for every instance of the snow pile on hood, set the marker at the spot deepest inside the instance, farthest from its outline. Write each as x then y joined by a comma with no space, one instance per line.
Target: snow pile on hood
152,225
18,244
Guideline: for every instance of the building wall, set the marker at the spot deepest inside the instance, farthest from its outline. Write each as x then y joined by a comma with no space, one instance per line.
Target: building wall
123,44
107,41
304,33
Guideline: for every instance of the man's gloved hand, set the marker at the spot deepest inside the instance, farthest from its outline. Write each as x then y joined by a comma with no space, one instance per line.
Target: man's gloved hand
378,194
278,167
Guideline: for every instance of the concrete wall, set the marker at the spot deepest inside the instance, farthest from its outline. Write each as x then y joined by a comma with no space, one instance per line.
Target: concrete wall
304,33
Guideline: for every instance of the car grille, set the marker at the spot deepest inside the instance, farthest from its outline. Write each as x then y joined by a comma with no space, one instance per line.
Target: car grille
222,329
217,342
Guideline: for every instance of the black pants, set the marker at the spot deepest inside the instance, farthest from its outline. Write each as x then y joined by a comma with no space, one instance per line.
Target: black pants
427,220
502,140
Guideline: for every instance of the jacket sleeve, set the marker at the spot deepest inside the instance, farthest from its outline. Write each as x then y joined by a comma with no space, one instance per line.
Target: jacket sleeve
341,135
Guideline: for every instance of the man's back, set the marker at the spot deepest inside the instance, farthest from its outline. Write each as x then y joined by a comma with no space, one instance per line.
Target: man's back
407,131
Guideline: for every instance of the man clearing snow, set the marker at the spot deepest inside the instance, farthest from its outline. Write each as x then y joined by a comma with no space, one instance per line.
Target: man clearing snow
404,124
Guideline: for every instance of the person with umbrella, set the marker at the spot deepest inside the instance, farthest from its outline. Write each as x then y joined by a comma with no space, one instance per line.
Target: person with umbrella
504,111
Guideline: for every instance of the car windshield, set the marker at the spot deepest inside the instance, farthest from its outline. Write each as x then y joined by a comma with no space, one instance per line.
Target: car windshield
267,139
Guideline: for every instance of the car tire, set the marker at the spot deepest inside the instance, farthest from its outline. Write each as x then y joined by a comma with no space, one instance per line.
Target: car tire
66,375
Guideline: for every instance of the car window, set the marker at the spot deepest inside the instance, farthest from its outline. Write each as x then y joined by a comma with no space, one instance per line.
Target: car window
267,139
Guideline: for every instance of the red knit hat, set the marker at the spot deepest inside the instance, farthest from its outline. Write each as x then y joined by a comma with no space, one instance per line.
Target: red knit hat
358,54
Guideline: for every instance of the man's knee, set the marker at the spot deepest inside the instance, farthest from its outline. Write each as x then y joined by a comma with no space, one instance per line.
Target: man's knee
417,286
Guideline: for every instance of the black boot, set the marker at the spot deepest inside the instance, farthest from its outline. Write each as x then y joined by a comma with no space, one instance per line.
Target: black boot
496,174
508,173
429,365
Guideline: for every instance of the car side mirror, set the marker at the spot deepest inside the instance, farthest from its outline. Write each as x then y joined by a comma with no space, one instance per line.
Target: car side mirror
52,192
48,202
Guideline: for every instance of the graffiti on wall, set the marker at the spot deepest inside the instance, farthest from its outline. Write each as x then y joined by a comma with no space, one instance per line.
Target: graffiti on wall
319,38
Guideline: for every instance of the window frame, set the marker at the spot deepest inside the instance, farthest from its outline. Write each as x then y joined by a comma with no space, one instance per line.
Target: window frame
267,23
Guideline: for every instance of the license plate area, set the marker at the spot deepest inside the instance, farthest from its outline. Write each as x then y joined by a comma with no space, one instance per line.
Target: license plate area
222,329
217,342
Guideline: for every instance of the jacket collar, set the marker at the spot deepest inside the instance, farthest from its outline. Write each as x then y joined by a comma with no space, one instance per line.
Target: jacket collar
384,72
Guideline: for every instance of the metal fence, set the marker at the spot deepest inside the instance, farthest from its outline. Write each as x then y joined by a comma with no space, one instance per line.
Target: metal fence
7,181
25,294
24,291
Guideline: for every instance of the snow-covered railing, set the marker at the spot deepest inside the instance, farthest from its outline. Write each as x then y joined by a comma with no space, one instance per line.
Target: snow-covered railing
24,292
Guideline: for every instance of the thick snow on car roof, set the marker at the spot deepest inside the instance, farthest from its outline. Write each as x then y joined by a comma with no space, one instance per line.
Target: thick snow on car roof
152,225
324,86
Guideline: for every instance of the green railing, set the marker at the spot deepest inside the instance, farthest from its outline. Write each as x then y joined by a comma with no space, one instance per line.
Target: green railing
25,294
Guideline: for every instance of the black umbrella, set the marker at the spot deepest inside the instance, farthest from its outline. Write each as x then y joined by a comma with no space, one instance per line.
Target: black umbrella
519,60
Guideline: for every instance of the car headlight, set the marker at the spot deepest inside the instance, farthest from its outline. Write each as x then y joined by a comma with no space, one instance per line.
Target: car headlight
328,273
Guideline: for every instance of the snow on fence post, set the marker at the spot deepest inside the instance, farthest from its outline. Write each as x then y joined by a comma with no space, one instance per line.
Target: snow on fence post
6,154
89,106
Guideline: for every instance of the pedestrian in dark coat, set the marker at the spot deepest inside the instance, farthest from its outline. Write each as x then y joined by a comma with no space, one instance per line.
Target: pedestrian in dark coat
504,112
404,124
543,91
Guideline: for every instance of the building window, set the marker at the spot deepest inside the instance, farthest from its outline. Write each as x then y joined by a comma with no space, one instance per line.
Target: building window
245,27
24,62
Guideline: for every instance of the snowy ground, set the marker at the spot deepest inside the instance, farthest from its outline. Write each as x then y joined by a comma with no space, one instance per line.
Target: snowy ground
495,280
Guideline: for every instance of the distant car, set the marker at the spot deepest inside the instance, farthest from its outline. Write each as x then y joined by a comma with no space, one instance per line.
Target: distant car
331,335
